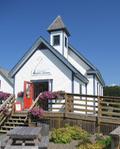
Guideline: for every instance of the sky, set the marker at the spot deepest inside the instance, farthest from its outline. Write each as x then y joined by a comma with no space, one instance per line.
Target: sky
94,26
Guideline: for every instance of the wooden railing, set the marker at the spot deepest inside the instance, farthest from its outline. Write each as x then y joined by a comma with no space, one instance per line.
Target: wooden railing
6,108
34,103
32,106
109,110
83,104
103,109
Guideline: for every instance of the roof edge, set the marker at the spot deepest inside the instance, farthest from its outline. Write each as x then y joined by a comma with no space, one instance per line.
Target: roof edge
94,69
98,75
30,51
4,76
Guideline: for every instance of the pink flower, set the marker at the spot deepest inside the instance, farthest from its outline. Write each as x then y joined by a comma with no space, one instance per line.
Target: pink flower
37,112
51,95
3,95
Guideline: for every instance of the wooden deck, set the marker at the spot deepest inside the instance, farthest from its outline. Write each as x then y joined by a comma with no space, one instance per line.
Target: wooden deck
93,113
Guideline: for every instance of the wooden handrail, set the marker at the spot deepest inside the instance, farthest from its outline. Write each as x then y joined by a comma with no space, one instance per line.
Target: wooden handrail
93,96
8,104
6,101
34,103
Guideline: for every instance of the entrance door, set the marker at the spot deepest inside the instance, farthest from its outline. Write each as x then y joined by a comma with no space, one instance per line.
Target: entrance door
28,94
40,87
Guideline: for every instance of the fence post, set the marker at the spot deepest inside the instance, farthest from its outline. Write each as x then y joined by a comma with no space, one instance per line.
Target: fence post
66,106
86,105
99,113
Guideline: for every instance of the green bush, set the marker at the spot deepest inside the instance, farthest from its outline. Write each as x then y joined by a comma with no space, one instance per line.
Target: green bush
66,134
102,142
77,133
105,141
60,135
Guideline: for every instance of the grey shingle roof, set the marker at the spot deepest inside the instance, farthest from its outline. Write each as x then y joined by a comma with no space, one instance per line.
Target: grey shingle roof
35,46
58,24
5,74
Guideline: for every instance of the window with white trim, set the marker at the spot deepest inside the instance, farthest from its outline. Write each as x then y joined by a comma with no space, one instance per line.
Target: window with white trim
56,40
66,42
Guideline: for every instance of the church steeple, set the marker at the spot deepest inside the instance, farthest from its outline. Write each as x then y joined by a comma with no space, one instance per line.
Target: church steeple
57,25
59,36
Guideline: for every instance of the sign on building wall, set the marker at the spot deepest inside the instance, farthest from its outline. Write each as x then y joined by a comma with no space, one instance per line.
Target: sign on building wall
40,68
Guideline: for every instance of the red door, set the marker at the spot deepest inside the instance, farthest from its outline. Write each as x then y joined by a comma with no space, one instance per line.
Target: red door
28,94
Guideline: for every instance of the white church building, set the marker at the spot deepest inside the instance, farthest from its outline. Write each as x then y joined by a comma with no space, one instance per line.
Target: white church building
55,66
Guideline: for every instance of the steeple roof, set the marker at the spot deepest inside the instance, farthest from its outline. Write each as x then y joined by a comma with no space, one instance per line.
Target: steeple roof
58,24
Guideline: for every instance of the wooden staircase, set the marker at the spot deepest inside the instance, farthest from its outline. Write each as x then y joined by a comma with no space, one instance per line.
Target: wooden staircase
8,118
16,119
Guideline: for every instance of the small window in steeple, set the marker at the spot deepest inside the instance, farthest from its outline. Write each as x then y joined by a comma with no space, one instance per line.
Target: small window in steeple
66,42
56,40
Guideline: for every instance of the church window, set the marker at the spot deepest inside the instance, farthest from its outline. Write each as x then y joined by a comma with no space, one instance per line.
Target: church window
66,42
56,40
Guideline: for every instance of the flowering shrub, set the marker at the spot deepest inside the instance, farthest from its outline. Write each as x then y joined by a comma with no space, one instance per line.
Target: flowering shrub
20,94
3,95
37,112
51,95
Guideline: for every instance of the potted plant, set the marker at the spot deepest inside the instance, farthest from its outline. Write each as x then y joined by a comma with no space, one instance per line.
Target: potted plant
3,96
35,114
48,96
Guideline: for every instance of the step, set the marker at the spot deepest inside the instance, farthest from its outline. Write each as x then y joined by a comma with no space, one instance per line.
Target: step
18,115
14,123
7,127
3,131
16,119
22,112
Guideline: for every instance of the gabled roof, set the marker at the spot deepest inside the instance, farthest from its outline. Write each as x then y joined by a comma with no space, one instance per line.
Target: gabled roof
93,69
58,24
4,73
36,46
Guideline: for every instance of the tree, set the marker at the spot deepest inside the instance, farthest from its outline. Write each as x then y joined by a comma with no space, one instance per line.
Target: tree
112,91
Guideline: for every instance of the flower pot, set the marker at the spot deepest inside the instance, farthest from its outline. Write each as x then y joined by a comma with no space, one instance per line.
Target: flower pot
33,124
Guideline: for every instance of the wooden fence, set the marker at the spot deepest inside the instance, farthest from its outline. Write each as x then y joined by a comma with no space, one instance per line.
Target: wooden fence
94,113
108,113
